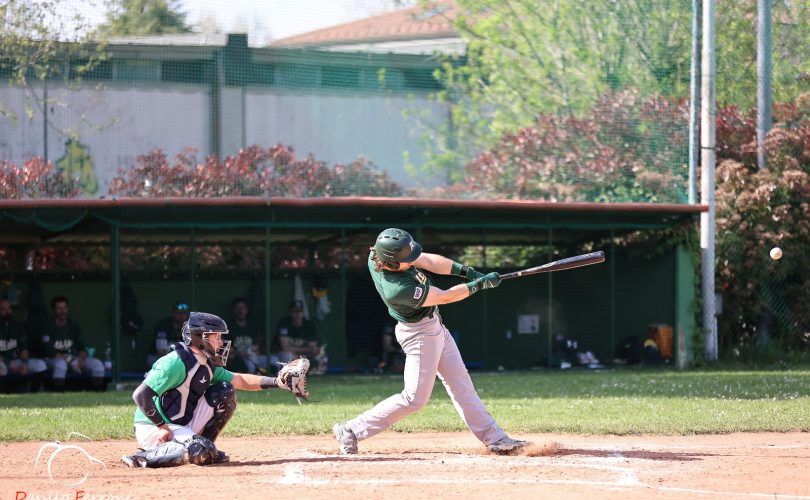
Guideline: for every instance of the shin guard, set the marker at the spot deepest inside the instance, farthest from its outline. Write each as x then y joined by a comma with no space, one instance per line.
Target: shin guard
222,398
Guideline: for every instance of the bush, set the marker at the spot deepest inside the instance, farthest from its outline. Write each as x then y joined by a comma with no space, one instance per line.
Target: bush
757,210
627,148
253,171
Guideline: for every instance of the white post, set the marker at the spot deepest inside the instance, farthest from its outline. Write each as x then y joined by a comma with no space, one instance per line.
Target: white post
707,180
694,102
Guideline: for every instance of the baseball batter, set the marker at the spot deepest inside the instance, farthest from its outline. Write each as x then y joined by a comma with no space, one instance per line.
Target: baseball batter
396,263
188,397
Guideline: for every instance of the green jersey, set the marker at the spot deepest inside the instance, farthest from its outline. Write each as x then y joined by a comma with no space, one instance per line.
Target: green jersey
180,381
403,292
65,339
12,339
300,336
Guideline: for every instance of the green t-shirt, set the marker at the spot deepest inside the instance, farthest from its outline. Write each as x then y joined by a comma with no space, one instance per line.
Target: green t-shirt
242,337
168,373
403,292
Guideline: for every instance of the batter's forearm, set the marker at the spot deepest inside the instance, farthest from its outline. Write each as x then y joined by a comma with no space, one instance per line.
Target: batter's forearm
434,263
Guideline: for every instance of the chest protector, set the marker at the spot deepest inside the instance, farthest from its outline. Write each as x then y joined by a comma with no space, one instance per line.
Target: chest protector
179,403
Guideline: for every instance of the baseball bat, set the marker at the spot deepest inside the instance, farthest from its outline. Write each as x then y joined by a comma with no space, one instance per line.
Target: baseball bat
560,265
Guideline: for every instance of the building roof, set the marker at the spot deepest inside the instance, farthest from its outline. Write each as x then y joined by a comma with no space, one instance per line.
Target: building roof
414,23
355,220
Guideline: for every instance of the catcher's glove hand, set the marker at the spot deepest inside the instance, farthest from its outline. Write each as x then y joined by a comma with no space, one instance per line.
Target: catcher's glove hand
293,377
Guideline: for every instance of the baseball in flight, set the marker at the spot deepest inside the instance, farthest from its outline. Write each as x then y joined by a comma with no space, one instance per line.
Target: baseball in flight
776,253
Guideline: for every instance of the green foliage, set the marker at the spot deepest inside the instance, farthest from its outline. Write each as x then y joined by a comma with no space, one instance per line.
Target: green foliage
76,167
143,17
736,51
604,402
34,48
523,61
503,257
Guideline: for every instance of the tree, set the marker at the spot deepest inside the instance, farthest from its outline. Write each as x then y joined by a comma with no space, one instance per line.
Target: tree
35,43
253,171
625,150
143,17
523,61
736,51
36,179
561,58
759,209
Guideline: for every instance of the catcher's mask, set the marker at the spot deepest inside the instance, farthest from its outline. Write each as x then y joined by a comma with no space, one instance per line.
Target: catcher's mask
394,246
196,331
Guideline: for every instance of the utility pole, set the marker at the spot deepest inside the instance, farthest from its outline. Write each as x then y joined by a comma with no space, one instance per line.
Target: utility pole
763,78
708,112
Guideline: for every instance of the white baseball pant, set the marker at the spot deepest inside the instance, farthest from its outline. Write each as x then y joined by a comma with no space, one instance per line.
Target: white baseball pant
429,350
147,434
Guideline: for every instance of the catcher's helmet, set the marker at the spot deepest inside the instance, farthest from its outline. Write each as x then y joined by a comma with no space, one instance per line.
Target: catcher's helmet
195,333
395,245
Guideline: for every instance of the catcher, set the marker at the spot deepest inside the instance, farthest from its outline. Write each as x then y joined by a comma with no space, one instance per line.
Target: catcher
188,397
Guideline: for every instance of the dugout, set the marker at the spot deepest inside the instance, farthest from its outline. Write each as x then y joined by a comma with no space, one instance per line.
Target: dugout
214,249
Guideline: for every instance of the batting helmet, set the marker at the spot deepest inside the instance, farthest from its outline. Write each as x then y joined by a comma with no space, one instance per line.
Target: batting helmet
195,333
395,245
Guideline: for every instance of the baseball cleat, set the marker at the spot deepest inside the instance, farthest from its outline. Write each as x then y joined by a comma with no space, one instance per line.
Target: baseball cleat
133,461
506,445
346,438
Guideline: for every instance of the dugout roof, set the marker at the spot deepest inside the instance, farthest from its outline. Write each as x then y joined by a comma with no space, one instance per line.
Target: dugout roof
310,221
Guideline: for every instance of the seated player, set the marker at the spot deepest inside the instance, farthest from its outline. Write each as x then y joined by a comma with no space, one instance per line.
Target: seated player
188,397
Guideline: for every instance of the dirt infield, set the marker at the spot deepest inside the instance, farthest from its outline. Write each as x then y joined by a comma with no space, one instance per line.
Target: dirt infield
395,465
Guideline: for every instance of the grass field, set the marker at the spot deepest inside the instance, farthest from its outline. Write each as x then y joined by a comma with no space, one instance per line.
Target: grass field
587,402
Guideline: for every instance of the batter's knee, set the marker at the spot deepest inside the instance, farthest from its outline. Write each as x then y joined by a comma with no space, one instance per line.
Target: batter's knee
416,400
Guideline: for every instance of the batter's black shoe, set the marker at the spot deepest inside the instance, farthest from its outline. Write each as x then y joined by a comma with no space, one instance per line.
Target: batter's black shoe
346,438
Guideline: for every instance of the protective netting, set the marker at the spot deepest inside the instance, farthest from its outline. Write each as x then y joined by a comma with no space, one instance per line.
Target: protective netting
466,98
471,99
561,104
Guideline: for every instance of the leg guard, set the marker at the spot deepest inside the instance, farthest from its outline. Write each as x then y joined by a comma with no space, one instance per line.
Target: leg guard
197,450
169,454
222,398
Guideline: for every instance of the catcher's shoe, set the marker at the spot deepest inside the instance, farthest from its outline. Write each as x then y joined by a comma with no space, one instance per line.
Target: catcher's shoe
221,457
346,438
134,461
506,445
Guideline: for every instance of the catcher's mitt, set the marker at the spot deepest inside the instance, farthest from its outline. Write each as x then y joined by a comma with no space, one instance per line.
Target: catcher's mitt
293,377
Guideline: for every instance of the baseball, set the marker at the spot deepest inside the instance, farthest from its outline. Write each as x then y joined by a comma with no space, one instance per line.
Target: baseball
776,253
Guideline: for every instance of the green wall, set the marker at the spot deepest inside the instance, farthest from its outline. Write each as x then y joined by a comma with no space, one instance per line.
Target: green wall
580,307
